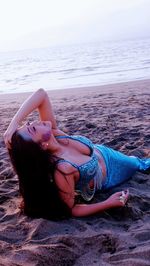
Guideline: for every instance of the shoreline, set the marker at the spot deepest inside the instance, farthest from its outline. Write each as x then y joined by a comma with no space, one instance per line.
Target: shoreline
123,87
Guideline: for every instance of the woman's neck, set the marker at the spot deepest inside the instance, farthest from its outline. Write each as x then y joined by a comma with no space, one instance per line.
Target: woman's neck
54,146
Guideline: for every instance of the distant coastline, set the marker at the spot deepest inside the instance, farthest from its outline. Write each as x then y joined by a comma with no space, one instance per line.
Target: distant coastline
74,66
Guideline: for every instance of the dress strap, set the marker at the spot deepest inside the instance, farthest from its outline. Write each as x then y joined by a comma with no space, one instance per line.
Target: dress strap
62,136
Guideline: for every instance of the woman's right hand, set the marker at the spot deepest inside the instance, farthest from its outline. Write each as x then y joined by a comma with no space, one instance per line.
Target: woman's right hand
118,199
9,132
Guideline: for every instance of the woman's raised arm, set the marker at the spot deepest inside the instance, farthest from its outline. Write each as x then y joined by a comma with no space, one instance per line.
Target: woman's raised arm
38,100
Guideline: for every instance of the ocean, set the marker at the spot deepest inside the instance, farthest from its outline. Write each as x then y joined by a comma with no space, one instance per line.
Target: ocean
74,66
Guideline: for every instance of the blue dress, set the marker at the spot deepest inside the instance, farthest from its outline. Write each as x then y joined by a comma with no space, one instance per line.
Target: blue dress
119,167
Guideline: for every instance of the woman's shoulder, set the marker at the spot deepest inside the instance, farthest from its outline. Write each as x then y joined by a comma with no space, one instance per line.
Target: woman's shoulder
58,132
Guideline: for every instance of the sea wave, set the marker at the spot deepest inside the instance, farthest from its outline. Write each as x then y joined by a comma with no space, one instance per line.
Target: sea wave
76,65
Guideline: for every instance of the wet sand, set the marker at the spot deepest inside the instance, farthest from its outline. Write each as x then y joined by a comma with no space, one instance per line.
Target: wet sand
117,115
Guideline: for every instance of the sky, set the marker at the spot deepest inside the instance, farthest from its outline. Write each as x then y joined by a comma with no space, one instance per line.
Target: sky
28,24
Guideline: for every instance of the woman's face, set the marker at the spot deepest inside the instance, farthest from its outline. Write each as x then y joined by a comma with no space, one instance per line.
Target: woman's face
37,131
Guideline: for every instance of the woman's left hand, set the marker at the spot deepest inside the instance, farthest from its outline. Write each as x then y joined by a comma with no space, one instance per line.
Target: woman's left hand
118,199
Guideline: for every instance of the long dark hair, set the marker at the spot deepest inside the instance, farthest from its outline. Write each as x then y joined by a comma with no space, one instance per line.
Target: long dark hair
35,169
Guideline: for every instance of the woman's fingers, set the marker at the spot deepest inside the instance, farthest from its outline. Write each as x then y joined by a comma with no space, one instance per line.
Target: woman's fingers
9,132
124,196
7,139
8,145
7,142
118,199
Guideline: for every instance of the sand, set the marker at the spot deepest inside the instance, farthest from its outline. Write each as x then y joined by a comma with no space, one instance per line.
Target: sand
117,115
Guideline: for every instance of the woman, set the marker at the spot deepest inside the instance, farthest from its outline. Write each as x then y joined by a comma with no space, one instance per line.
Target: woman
54,167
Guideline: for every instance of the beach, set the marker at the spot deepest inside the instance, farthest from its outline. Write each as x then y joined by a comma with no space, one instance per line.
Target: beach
117,115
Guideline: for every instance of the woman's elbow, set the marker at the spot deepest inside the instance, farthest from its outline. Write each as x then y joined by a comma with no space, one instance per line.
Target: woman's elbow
41,91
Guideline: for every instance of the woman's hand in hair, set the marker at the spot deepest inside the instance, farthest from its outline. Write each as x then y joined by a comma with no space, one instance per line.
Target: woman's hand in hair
39,99
9,132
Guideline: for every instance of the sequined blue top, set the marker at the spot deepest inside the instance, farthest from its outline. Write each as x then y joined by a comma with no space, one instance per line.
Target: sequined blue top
88,171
